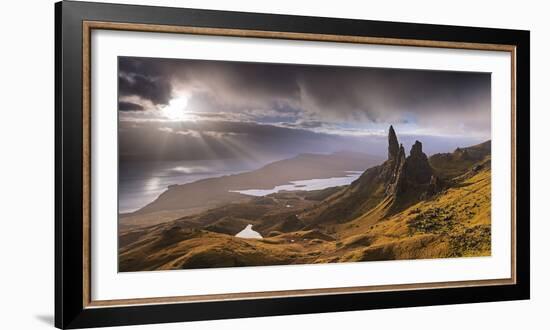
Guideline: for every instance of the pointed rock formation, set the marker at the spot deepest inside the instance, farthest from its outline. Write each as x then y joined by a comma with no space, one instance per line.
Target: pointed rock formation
396,184
411,179
393,145
397,173
416,150
419,170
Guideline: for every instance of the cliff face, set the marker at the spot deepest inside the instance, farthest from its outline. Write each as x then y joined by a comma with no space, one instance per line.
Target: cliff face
418,168
413,179
401,173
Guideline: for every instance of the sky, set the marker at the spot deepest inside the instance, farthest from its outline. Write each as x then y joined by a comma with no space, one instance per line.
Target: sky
182,109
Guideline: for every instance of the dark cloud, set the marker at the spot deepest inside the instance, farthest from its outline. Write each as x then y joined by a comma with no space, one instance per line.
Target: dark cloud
147,80
391,94
157,90
430,99
129,106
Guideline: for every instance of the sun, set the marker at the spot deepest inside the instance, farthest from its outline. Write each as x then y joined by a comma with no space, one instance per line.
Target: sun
175,109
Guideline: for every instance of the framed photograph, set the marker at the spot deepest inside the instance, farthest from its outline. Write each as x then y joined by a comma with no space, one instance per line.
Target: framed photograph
215,164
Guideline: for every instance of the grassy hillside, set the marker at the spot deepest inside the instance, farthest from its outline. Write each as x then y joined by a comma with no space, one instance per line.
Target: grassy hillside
453,223
449,165
408,207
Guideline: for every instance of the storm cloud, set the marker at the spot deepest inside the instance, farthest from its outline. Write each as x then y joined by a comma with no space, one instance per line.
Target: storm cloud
434,100
129,106
198,109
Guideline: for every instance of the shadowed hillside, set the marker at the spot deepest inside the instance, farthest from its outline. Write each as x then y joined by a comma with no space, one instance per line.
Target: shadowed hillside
408,207
450,165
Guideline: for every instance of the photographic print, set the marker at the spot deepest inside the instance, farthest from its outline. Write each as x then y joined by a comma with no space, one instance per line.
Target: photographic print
304,160
230,164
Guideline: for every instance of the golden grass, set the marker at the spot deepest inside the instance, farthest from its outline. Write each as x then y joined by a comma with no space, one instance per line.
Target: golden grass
454,223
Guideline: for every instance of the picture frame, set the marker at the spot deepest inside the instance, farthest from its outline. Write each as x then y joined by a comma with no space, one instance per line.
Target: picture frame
74,24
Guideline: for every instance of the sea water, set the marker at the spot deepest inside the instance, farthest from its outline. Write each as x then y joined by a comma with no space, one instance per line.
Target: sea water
140,183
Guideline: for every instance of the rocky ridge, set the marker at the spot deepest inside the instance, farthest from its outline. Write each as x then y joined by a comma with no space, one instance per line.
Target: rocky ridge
396,184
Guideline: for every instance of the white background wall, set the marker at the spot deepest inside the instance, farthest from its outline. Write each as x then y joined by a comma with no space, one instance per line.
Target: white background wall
27,168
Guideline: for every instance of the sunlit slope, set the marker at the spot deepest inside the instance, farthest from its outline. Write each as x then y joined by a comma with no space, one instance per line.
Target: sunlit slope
409,207
452,224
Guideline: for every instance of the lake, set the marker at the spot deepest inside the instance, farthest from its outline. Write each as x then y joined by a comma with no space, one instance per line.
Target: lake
305,185
248,232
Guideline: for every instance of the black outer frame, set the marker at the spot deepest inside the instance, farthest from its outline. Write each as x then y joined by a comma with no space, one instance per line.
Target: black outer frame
69,307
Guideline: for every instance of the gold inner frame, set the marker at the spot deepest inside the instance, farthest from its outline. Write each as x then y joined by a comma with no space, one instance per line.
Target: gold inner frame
88,26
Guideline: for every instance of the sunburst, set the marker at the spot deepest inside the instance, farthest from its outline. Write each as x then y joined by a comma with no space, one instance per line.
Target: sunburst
176,109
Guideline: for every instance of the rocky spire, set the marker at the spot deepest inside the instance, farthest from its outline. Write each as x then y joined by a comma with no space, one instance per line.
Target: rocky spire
416,150
393,145
418,168
397,181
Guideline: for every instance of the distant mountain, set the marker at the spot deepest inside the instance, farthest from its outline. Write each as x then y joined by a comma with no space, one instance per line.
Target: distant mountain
408,207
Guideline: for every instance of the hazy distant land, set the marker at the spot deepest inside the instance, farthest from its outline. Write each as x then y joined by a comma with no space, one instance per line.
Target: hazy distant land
186,199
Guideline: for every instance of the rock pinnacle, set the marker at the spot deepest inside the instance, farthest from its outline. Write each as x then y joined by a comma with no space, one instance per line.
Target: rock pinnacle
393,145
